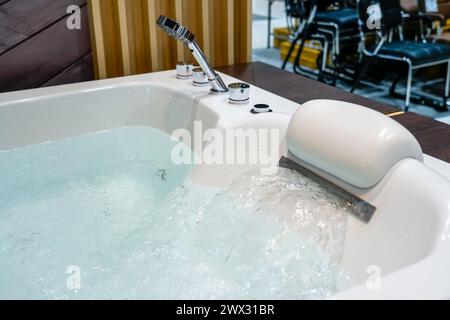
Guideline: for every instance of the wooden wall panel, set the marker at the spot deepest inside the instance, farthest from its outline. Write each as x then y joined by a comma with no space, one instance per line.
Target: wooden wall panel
77,72
110,29
126,40
138,38
20,19
243,43
37,48
194,21
167,47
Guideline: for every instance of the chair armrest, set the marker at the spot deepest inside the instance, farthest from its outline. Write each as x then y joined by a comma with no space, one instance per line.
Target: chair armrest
410,17
428,22
436,17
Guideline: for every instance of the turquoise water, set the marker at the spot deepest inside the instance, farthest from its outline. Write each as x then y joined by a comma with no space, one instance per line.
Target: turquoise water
113,205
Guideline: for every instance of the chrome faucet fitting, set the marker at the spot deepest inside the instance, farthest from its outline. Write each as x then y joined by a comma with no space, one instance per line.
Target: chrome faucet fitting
182,34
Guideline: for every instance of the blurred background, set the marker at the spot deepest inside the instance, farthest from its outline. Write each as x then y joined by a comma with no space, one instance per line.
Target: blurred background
424,22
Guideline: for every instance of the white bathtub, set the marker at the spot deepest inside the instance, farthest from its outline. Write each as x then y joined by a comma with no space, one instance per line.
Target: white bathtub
408,239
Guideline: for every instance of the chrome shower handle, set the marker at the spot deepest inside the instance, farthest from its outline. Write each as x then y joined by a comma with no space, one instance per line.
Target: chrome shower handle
181,33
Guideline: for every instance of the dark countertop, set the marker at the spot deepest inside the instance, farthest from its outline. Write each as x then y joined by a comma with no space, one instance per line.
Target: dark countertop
433,136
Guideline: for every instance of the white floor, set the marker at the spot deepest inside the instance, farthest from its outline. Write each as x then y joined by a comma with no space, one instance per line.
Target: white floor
260,8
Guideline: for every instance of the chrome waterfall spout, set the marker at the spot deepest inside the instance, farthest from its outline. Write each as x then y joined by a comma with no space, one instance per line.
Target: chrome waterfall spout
182,34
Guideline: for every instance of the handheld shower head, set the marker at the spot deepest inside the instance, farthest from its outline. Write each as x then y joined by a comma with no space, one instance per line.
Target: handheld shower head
182,34
175,30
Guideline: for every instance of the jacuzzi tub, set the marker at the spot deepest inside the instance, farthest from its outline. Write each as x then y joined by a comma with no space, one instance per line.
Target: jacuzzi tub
407,241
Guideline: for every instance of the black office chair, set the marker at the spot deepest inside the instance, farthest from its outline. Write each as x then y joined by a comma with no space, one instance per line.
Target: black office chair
421,23
342,19
330,23
441,33
303,12
380,18
325,30
297,12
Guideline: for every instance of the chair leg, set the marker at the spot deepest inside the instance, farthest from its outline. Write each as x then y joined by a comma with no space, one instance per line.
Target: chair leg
360,73
269,22
306,35
408,87
335,58
291,50
299,54
447,86
323,65
338,68
329,52
394,85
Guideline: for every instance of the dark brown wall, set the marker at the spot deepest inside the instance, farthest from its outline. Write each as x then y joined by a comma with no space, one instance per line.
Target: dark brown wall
36,47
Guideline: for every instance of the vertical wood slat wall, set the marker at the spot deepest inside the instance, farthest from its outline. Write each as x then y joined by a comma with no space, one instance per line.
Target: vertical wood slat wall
126,40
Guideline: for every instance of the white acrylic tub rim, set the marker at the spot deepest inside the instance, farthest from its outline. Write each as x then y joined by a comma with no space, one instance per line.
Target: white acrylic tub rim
434,268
